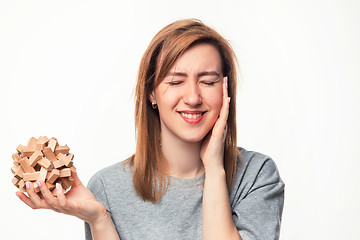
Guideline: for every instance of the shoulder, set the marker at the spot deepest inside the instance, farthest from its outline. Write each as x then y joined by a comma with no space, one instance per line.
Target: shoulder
255,170
255,163
257,196
108,176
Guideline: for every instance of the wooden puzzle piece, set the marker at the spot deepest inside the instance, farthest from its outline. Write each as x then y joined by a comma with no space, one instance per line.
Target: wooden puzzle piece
25,164
42,159
40,143
54,174
45,163
35,157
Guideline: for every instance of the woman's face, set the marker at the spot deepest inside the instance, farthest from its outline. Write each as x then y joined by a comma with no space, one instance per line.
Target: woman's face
189,98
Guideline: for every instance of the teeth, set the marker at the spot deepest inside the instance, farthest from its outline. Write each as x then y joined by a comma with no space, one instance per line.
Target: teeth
191,115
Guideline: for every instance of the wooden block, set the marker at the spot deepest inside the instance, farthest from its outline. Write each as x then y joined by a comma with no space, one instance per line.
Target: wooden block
16,163
54,174
31,176
40,147
66,172
52,144
16,157
42,139
35,157
25,164
45,163
62,149
70,156
65,182
64,159
32,143
27,151
40,143
42,175
58,163
19,173
20,149
49,154
21,184
14,169
16,181
50,186
36,187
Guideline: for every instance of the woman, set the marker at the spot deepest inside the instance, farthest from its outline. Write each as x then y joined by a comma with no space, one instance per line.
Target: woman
187,178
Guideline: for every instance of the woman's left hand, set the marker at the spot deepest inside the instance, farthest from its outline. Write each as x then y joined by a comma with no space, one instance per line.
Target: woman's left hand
212,149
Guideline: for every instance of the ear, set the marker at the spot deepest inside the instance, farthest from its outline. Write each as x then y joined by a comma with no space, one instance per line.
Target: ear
152,97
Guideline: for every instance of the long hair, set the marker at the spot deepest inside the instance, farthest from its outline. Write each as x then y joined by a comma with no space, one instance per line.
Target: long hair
148,164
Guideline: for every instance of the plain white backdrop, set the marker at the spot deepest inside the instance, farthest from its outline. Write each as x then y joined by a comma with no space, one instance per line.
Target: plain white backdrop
68,69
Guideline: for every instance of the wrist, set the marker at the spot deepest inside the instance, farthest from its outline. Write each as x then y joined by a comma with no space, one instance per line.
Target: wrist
101,217
215,171
100,224
103,228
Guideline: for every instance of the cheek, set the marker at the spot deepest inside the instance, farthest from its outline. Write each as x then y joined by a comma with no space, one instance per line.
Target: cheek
166,98
214,100
217,105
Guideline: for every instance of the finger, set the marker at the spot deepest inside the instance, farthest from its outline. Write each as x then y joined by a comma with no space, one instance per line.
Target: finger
224,111
34,198
49,198
62,200
25,199
225,101
60,194
75,176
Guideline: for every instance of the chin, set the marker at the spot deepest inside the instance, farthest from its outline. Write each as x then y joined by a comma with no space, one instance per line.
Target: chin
194,138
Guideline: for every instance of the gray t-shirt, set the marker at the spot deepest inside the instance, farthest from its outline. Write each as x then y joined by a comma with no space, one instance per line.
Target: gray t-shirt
256,198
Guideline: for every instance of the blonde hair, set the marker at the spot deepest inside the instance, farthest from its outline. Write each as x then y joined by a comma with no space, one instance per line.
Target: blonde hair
148,164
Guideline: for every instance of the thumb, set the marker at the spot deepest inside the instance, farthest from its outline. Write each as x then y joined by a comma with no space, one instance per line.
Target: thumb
75,176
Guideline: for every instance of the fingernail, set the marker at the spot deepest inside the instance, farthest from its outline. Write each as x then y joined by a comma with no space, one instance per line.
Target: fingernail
57,186
17,195
229,99
27,185
38,183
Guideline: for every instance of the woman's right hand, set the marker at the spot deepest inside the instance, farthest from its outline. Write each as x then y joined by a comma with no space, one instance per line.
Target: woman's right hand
79,201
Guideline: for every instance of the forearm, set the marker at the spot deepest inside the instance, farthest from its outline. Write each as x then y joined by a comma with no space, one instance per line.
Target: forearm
104,229
217,217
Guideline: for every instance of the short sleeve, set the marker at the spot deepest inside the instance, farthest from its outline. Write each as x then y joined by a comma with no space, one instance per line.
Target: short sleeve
96,186
257,214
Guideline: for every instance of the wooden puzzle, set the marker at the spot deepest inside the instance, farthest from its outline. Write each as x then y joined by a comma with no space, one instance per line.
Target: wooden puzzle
42,159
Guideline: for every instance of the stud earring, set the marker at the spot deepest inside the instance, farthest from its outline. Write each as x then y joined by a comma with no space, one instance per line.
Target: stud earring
154,105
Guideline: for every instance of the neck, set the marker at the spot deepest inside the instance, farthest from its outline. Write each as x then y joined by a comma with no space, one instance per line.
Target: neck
183,158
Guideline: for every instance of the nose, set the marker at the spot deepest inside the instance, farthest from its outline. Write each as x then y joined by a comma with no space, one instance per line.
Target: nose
192,95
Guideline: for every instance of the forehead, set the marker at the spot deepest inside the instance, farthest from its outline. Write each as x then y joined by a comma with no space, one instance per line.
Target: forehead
200,57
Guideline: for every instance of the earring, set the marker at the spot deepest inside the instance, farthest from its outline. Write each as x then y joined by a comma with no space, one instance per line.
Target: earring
154,105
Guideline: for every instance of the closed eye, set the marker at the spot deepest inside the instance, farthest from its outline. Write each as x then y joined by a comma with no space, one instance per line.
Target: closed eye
208,83
175,83
209,80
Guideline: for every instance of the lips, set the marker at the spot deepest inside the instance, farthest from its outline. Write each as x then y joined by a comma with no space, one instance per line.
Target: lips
192,117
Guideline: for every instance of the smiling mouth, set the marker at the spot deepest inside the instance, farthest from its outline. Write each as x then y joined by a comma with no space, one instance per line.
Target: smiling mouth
192,117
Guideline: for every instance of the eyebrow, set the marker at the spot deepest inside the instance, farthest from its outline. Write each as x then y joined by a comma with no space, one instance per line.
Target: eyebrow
206,73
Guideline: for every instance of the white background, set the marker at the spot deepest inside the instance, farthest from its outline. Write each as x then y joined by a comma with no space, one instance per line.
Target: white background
68,69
